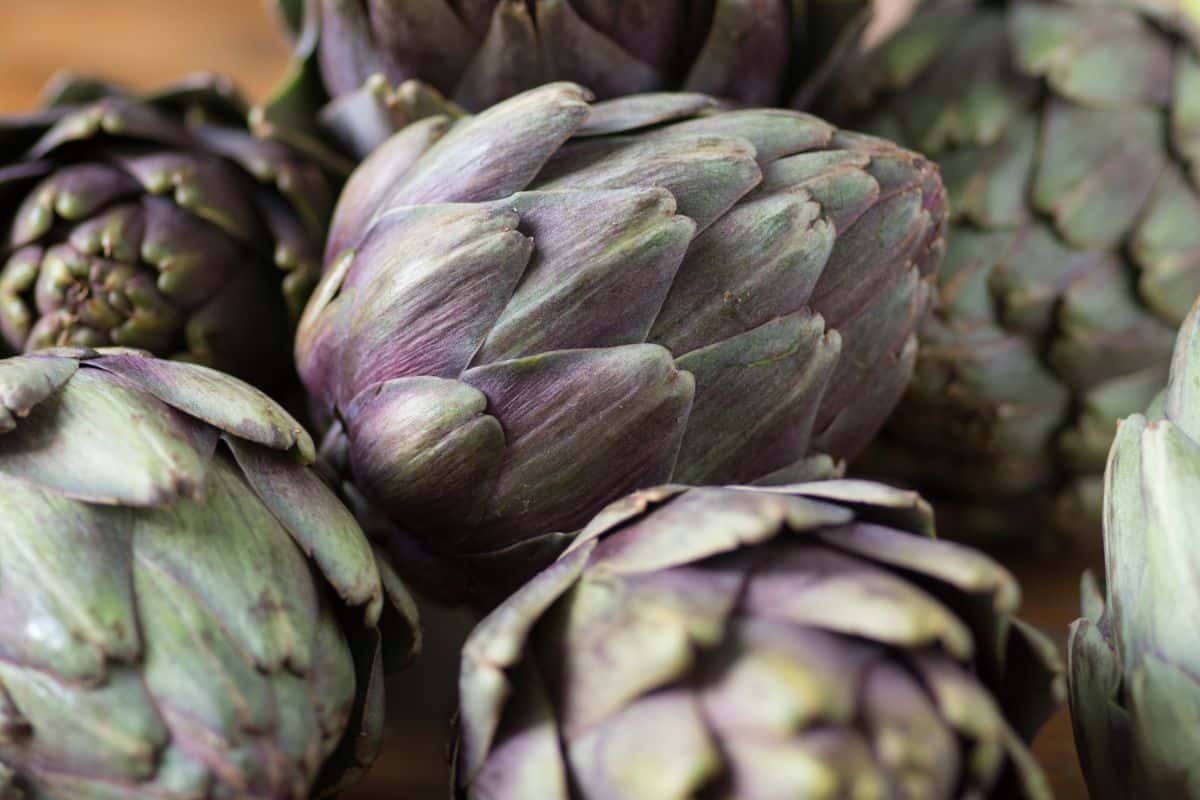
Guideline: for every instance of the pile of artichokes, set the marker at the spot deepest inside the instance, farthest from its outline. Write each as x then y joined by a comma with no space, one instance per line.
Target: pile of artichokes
609,318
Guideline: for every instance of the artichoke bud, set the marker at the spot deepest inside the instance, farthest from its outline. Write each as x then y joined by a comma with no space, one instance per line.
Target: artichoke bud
136,216
1067,139
608,296
189,609
444,57
1132,657
811,640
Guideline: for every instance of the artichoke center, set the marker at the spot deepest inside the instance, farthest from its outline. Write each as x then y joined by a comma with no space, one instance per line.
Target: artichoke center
61,294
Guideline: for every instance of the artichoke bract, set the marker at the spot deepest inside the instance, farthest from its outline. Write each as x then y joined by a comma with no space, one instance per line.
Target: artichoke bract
812,640
156,222
531,312
187,610
1068,136
1134,668
476,54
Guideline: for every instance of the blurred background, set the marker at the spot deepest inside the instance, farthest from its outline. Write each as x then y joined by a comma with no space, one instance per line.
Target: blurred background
142,43
147,43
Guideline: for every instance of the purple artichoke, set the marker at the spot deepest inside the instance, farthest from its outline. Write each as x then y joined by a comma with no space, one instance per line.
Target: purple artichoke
529,313
806,641
158,223
480,52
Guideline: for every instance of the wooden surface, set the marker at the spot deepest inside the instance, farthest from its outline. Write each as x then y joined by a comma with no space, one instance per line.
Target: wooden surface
149,42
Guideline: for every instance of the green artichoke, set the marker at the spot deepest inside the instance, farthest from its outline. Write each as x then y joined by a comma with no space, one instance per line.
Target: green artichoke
1068,132
186,610
534,311
807,641
1134,665
477,53
159,223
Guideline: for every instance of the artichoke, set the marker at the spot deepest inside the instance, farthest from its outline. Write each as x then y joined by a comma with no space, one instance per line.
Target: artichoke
1134,668
529,313
810,641
771,52
1068,133
157,223
188,611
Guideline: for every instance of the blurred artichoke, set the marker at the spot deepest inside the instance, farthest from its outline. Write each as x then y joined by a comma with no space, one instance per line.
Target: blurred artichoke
770,52
159,223
530,313
808,641
187,610
1134,662
1068,134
